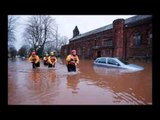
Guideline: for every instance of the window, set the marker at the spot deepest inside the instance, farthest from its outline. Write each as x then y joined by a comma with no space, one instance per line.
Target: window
88,51
150,39
79,51
113,62
102,60
97,60
123,61
137,39
95,43
108,43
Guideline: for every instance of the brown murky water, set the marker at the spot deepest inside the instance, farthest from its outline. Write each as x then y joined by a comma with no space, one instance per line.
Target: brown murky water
90,85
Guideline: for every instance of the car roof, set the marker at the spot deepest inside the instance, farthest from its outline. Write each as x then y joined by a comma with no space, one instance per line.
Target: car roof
107,57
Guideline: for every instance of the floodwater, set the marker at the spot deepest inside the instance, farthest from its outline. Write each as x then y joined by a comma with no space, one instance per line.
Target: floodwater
90,85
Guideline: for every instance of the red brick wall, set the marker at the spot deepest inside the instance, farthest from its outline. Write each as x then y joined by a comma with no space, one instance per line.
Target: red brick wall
118,31
123,43
145,47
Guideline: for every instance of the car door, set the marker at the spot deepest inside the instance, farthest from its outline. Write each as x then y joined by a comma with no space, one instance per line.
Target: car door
102,61
112,63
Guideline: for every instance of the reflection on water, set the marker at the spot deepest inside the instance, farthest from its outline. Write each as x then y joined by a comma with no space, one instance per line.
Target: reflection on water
109,71
36,79
89,85
72,82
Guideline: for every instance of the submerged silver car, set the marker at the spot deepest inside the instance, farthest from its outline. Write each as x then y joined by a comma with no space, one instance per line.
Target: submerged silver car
116,63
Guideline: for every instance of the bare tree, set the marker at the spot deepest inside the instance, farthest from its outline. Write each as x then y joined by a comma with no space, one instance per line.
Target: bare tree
63,41
49,46
12,51
39,30
56,38
12,20
56,44
59,40
24,51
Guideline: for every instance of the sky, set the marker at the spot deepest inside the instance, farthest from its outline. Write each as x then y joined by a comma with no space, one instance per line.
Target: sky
66,24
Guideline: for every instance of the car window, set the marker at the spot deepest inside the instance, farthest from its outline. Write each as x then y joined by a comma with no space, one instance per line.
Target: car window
113,62
123,61
102,60
97,60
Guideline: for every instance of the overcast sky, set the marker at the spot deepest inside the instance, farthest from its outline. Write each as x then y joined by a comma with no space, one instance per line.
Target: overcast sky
66,24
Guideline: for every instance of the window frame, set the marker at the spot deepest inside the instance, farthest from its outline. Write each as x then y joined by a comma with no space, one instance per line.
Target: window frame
112,62
150,39
102,61
137,39
108,43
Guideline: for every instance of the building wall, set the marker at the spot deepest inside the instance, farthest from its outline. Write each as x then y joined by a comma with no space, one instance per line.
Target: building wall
118,37
123,42
145,47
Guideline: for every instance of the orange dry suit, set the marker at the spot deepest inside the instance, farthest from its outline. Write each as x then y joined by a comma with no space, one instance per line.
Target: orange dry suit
45,59
72,59
52,60
34,59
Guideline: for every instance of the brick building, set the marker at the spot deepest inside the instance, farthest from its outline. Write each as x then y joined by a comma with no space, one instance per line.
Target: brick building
125,38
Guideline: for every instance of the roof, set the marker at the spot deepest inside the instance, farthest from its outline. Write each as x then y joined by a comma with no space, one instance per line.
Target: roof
93,31
137,18
110,26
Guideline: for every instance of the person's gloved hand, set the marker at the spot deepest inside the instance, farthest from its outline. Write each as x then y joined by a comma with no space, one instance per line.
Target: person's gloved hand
73,62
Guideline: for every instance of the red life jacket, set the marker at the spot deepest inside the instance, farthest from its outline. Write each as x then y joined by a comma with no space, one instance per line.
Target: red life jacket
53,59
73,59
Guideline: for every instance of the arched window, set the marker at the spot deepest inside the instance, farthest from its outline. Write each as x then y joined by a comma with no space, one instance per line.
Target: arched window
137,39
150,39
79,51
88,52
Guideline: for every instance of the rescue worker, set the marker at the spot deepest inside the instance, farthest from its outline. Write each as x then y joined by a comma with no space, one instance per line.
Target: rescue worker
34,59
71,61
45,59
52,60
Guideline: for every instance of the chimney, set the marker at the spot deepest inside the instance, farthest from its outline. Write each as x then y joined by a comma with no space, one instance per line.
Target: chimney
75,32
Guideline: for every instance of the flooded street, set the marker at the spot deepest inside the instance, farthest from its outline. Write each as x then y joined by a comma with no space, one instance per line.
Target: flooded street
90,85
